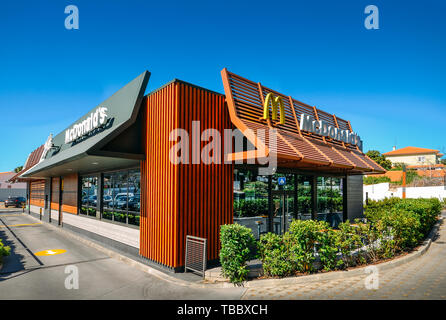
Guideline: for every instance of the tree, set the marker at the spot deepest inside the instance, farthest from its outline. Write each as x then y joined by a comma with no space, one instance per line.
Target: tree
376,156
18,169
443,161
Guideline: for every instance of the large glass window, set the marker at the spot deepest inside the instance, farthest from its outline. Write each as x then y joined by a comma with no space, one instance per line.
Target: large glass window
251,200
304,194
134,201
89,199
292,197
122,196
330,200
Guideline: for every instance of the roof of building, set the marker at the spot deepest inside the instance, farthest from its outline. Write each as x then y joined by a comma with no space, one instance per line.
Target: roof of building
294,147
410,150
32,160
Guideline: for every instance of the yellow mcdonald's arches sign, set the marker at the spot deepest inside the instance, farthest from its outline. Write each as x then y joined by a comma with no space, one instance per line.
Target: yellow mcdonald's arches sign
275,102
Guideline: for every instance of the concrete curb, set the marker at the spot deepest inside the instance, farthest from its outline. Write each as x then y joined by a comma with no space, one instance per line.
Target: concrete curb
336,275
136,264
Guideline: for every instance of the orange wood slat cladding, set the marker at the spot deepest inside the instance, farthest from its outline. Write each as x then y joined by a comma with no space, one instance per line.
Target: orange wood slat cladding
37,193
69,193
185,199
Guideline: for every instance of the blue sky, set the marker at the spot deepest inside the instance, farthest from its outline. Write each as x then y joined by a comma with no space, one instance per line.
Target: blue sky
390,83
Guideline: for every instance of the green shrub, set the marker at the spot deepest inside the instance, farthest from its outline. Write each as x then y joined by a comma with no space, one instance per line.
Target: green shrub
275,255
374,180
4,250
427,209
237,243
350,238
304,235
327,247
401,223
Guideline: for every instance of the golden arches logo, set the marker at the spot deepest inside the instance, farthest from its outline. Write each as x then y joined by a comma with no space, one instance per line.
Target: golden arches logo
275,102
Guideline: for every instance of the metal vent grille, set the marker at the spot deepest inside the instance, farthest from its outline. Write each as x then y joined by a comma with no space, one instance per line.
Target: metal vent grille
195,255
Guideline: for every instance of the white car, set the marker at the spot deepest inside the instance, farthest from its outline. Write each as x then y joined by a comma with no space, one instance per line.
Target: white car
122,194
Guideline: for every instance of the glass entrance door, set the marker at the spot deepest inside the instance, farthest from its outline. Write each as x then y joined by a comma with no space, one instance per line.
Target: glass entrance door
283,210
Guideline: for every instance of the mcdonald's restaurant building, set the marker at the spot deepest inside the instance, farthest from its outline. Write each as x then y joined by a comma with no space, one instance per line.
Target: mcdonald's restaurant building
113,174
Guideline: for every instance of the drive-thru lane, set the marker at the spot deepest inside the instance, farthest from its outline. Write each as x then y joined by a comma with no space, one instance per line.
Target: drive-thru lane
41,260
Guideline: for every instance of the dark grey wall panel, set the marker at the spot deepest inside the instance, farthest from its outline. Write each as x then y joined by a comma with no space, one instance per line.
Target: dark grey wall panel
355,205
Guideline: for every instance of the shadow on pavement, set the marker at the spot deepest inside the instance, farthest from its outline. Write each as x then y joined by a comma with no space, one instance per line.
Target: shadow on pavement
16,261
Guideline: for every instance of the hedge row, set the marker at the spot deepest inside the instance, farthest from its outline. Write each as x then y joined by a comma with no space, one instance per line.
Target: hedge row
392,226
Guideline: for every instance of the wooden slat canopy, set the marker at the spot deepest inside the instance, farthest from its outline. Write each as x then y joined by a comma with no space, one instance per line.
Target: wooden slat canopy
294,148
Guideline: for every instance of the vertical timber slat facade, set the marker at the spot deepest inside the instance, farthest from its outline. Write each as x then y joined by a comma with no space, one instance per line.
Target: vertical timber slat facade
189,198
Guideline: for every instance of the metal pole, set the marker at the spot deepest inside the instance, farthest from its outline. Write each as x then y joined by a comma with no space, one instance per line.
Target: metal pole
404,181
40,214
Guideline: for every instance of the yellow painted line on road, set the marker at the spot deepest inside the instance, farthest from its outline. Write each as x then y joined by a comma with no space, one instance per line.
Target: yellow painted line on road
50,252
11,215
20,225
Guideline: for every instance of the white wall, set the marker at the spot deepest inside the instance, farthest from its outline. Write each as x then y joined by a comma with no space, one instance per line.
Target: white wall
381,190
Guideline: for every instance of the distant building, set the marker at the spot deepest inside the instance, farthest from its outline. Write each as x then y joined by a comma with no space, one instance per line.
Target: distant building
10,189
414,156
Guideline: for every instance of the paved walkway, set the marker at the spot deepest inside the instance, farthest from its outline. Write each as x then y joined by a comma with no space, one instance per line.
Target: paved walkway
422,278
27,275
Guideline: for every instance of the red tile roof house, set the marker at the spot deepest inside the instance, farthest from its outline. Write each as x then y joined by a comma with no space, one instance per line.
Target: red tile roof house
414,156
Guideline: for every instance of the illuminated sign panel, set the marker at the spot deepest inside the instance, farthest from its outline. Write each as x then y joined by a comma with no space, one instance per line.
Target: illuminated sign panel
95,120
323,128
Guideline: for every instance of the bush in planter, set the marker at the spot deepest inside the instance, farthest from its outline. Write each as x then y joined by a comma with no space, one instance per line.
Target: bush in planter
327,247
119,217
107,215
404,227
275,255
304,235
427,209
236,249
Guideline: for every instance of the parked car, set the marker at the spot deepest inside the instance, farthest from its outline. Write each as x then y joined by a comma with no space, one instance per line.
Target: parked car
134,203
15,202
121,202
89,201
107,201
130,194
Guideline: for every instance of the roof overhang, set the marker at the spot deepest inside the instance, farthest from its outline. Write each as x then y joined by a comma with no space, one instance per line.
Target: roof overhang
102,146
248,105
